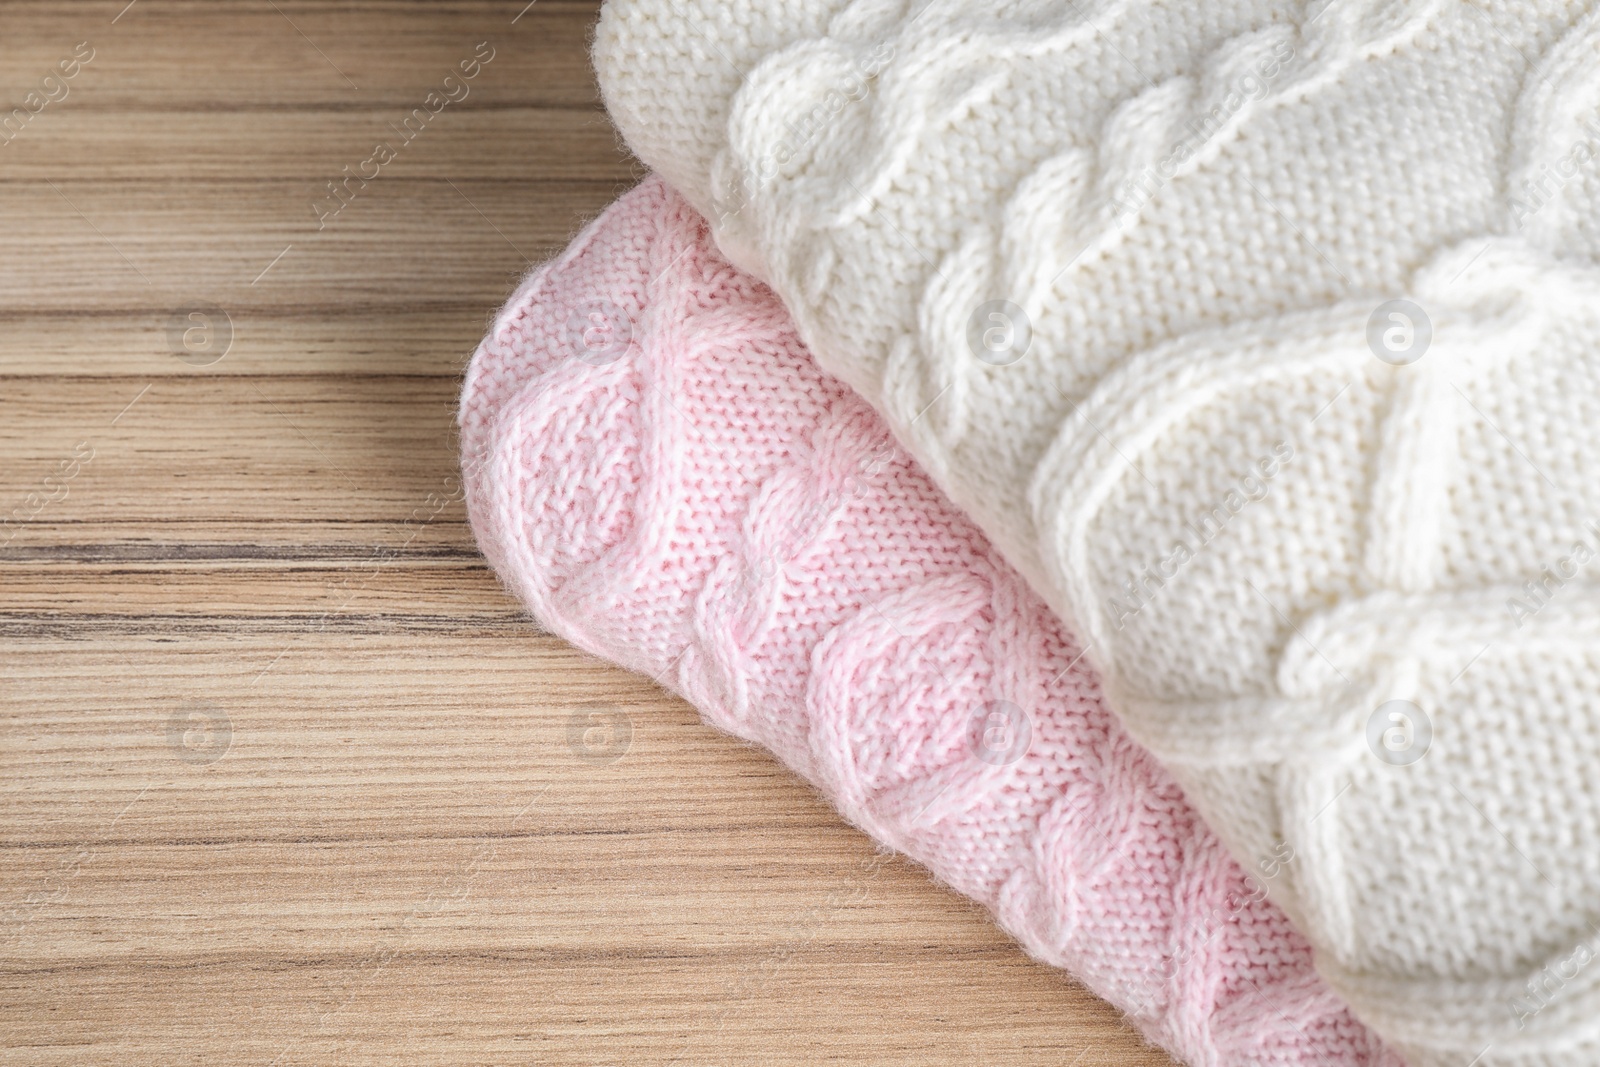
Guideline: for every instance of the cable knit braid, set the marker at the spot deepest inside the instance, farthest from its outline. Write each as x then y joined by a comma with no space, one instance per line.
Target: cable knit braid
1124,276
655,465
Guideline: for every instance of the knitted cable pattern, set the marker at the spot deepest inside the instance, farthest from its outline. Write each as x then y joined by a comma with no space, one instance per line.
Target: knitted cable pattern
654,464
1124,276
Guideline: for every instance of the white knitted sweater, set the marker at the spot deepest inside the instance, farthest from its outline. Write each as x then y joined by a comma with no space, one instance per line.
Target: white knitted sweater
1264,338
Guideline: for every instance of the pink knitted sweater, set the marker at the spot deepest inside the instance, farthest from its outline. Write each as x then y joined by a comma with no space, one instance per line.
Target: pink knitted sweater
657,468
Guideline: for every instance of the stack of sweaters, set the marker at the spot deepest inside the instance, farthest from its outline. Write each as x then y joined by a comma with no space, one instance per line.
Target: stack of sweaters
1140,459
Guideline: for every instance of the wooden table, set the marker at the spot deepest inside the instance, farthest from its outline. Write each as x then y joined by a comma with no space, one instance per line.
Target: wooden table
286,777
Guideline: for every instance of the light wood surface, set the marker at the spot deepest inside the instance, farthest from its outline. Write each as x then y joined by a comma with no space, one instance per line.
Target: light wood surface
285,776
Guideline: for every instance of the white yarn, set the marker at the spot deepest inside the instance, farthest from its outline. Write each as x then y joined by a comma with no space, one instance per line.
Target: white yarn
1198,210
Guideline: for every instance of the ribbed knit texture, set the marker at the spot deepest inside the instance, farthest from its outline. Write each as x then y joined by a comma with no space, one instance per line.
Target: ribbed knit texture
658,469
1119,274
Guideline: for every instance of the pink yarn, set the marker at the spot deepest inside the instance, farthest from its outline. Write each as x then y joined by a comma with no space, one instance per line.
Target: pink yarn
657,468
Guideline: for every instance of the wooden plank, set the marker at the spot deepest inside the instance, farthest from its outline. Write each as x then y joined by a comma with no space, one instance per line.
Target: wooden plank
192,56
317,338
192,448
510,143
94,246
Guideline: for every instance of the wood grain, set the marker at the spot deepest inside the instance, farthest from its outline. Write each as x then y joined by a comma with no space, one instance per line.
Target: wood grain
285,777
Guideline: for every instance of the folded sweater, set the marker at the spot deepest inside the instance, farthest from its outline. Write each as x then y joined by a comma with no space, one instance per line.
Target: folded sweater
655,465
1263,338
